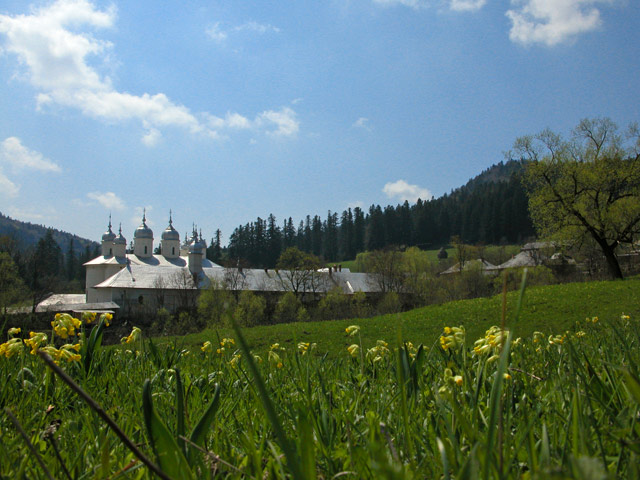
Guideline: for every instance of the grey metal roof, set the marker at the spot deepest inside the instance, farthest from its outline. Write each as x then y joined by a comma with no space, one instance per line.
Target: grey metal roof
151,277
153,260
522,259
469,264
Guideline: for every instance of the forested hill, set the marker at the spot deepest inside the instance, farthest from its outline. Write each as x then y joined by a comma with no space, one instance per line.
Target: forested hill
27,235
491,208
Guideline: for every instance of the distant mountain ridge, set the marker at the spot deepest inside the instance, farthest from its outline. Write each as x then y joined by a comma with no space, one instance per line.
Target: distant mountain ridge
499,172
27,235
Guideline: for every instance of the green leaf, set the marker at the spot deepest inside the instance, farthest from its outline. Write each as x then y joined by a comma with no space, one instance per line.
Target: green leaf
168,455
199,431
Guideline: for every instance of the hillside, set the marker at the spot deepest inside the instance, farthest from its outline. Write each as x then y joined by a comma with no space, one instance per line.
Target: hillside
27,235
551,309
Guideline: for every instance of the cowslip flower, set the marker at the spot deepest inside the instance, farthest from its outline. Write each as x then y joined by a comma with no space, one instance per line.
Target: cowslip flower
14,331
35,340
235,360
206,346
12,347
133,336
352,330
303,347
453,338
89,317
69,353
106,317
353,349
64,325
274,359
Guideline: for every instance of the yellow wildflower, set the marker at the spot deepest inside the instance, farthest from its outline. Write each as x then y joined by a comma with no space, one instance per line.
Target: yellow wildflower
107,317
14,331
453,338
352,330
65,325
35,340
66,353
12,347
274,359
235,360
458,380
257,358
353,349
506,376
303,347
227,342
133,336
206,346
89,317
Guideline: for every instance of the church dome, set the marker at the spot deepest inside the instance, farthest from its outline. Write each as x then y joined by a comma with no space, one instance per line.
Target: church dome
143,231
109,236
170,233
196,247
120,240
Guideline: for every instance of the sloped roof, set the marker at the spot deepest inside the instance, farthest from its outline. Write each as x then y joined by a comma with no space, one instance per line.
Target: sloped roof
153,261
469,265
151,277
522,259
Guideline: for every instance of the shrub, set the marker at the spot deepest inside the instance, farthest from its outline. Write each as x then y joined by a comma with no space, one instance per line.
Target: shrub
250,309
288,308
389,303
335,305
214,304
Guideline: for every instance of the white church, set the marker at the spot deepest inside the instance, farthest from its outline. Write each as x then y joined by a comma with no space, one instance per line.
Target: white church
141,280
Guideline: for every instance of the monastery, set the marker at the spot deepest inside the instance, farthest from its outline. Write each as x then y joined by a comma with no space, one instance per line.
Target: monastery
141,280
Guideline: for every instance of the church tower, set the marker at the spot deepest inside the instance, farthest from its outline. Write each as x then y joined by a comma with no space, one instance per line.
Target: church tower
143,239
170,243
107,241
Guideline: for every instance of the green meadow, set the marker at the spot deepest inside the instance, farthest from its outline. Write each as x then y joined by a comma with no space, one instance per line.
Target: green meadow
437,392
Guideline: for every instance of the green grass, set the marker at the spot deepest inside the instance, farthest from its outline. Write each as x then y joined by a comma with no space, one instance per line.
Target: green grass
549,309
530,409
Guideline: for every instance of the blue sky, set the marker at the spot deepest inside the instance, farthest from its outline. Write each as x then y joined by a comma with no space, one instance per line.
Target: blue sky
226,111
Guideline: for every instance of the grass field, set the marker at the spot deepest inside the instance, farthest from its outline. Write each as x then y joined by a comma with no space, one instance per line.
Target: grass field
556,396
550,309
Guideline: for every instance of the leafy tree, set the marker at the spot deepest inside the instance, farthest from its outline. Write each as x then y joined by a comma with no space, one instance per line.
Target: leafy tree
11,285
299,271
587,186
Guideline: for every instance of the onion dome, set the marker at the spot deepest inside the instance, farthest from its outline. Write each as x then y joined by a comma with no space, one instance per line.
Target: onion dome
170,233
109,236
196,247
120,240
143,231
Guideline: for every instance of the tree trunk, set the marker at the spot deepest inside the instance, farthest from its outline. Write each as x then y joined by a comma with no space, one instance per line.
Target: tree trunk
612,260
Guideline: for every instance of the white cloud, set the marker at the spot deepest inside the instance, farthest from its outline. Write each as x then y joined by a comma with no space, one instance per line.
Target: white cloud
218,34
58,56
13,153
466,5
152,137
551,22
7,187
214,32
257,28
285,120
401,190
362,122
108,200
